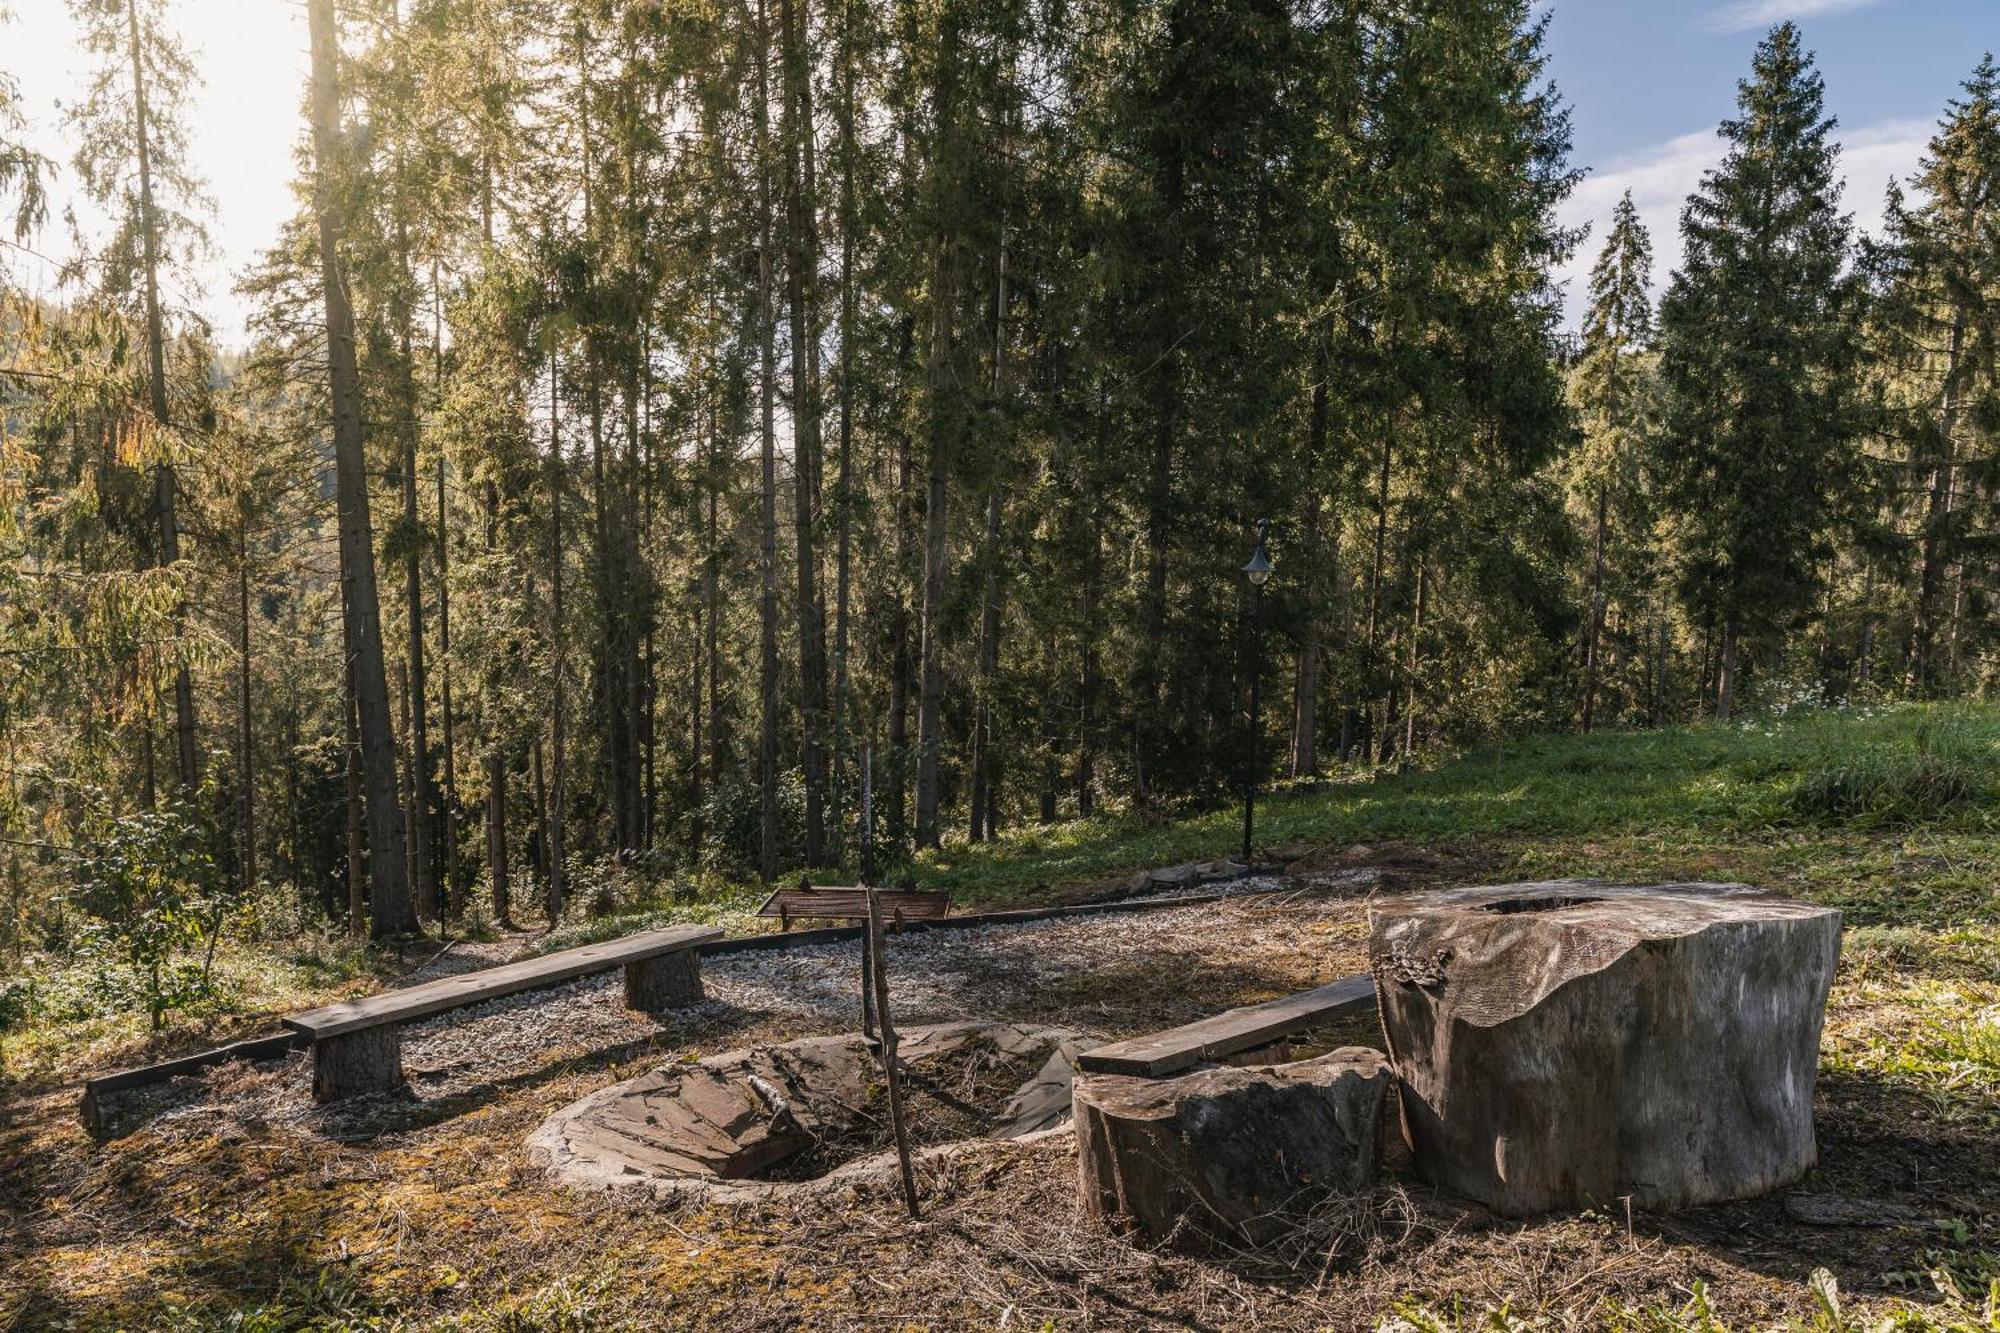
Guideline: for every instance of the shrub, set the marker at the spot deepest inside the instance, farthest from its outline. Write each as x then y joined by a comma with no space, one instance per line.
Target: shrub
149,892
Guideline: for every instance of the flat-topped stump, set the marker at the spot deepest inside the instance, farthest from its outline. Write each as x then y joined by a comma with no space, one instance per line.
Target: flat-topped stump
357,1044
1227,1156
1573,1043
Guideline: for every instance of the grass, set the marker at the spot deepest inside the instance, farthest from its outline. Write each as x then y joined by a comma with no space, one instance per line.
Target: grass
1886,813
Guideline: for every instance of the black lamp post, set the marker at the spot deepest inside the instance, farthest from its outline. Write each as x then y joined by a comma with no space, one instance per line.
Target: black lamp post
1258,570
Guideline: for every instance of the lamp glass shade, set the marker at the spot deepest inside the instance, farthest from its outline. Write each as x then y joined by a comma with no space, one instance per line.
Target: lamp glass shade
1259,568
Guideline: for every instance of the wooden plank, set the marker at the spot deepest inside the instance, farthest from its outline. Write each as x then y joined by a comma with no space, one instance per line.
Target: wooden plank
436,997
91,1105
1231,1031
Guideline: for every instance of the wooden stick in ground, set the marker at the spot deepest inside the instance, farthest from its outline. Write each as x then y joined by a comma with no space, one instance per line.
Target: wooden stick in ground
867,988
888,1051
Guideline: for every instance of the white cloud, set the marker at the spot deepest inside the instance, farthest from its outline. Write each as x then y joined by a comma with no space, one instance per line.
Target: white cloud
1661,178
1743,15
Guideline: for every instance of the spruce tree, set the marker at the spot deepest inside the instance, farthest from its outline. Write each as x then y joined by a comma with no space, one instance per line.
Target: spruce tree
1758,349
1609,389
1938,336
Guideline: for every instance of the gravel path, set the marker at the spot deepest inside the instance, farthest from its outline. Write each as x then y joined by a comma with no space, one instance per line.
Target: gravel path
1020,970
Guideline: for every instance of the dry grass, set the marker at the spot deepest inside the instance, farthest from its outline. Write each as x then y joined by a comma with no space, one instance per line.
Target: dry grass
231,1198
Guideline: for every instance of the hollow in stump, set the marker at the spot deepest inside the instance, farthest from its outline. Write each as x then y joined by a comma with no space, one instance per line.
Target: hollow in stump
1574,1043
1227,1156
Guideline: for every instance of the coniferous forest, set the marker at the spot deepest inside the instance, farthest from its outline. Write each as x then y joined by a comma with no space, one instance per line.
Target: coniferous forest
665,423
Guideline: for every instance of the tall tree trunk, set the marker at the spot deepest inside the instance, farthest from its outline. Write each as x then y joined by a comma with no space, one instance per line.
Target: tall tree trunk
554,851
985,797
1375,568
844,486
249,768
355,891
767,538
186,758
801,286
453,891
1305,697
393,911
1594,640
1932,554
422,879
1725,688
900,658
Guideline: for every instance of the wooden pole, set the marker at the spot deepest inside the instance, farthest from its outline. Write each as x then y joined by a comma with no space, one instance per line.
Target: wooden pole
888,1051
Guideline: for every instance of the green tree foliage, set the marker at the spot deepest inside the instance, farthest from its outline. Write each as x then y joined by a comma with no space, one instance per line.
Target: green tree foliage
1759,347
748,398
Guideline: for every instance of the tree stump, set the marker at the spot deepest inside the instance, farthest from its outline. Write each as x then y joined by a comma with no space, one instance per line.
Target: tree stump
668,981
1227,1156
1572,1043
370,1060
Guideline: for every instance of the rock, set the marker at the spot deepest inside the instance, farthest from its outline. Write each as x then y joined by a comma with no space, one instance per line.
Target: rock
1227,1156
1571,1043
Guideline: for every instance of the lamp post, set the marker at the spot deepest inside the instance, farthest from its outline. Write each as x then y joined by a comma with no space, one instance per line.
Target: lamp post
1258,570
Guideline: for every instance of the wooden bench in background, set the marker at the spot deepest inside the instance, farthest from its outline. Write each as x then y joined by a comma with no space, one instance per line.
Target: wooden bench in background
1233,1032
357,1044
851,904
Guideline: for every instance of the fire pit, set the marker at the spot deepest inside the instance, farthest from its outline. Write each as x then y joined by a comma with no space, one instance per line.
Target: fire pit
1576,1043
806,1113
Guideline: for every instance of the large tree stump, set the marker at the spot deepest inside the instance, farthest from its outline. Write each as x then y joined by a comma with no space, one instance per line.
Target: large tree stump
1572,1043
370,1060
668,981
1231,1155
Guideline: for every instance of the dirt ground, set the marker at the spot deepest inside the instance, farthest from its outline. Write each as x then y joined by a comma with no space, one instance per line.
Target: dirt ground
233,1194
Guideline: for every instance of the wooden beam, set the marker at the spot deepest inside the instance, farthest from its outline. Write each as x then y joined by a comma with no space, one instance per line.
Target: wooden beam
492,983
1230,1032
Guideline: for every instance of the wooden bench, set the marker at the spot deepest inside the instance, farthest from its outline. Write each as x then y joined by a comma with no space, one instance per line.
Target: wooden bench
1232,1032
357,1044
851,904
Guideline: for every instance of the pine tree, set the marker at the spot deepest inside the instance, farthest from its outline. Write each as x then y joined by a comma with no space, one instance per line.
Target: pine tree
1610,389
1758,351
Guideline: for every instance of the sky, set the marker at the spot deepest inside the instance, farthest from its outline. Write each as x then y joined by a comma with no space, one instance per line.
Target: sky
1646,81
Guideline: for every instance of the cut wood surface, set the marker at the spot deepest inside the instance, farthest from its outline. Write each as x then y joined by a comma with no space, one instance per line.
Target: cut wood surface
1575,1043
1228,1156
436,997
1231,1032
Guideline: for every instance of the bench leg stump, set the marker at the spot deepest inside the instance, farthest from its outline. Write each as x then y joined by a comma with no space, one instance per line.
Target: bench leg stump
670,981
366,1061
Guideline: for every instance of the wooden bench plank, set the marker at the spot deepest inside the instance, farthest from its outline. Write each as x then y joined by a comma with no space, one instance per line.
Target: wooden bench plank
467,988
1229,1032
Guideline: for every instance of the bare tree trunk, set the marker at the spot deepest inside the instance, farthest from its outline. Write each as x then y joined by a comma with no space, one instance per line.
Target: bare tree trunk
392,910
767,672
249,770
453,893
356,924
1593,643
186,757
554,852
1932,557
1725,689
1305,701
844,492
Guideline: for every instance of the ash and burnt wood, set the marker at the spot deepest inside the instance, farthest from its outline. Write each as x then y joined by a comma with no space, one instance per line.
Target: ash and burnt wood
370,1060
1227,1156
664,981
1233,1032
1571,1043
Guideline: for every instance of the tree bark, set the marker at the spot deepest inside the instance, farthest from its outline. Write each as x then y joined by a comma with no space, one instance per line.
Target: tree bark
767,670
186,756
1592,645
393,911
1576,1043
